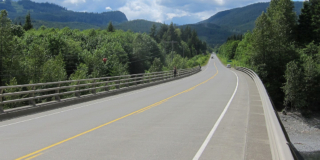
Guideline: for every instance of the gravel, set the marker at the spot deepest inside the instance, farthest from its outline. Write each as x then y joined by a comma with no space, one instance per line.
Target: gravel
304,132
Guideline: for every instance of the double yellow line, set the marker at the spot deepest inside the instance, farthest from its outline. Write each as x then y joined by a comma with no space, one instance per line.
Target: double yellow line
38,152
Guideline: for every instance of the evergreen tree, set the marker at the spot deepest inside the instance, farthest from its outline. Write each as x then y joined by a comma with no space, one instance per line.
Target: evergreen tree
163,29
186,34
5,42
153,32
110,27
304,28
315,9
171,34
27,26
273,45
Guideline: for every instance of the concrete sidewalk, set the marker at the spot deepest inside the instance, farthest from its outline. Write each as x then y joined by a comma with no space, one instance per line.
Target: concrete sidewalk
242,133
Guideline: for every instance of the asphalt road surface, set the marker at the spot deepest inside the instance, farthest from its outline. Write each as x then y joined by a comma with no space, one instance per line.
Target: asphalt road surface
205,116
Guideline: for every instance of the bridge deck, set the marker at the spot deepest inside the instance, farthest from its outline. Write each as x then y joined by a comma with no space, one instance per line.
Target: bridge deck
242,133
168,121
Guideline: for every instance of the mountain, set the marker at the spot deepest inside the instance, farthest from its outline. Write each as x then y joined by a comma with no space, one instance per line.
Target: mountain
139,25
55,13
211,33
243,19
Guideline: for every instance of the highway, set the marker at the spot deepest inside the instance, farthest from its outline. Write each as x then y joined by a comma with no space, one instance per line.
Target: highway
215,114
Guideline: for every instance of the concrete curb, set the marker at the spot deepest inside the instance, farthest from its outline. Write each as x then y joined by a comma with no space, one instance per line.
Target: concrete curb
27,110
279,145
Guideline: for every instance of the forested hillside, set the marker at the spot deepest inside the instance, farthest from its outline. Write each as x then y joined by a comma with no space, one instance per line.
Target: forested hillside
211,33
53,13
140,26
285,53
242,19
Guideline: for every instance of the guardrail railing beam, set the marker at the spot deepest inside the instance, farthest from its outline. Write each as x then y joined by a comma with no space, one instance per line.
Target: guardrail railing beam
54,91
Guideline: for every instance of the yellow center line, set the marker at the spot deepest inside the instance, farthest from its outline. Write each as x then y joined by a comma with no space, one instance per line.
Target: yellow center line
36,153
34,156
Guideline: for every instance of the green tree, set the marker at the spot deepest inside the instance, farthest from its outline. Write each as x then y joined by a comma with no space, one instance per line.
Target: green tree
310,82
110,27
28,25
6,45
54,70
315,9
17,30
153,32
244,50
262,44
294,98
273,46
304,28
156,65
163,29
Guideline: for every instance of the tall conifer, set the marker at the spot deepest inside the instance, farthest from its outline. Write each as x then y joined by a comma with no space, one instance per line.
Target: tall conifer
272,44
28,25
110,27
304,29
5,41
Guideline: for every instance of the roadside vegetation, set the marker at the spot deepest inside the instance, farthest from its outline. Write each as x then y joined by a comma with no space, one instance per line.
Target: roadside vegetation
285,51
29,55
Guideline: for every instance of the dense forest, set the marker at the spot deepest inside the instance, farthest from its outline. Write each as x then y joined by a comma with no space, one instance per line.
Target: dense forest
284,49
139,25
47,54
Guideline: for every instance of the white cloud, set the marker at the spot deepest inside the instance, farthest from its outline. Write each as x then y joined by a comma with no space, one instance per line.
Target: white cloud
178,11
74,1
143,9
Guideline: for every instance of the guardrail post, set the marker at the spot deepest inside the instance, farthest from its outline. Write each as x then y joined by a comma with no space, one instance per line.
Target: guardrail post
107,86
1,106
32,102
135,80
128,81
78,88
119,83
58,91
94,86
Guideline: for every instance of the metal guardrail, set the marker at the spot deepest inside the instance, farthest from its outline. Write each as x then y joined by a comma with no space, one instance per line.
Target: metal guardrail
279,141
54,91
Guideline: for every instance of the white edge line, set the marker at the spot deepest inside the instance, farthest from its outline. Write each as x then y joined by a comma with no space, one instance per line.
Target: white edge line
205,143
117,97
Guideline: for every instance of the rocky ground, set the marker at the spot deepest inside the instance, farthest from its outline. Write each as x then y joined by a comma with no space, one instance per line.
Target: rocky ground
304,132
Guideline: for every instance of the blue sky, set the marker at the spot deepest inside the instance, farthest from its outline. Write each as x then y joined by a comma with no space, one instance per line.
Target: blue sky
176,11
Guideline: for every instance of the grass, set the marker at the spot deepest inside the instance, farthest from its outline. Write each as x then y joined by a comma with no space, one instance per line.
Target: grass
207,60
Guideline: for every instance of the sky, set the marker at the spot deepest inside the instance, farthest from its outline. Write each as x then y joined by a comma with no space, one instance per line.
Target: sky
176,11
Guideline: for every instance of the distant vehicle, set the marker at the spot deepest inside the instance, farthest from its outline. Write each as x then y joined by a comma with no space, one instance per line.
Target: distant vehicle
212,57
228,66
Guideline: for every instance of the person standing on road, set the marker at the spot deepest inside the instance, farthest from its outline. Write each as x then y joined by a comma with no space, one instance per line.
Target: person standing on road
175,71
